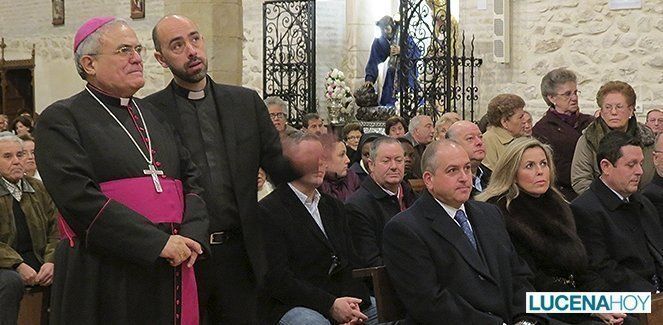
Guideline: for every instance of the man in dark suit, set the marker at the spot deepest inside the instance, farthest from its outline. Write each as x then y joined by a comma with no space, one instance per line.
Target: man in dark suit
450,259
654,190
468,136
421,133
310,254
619,227
381,196
229,133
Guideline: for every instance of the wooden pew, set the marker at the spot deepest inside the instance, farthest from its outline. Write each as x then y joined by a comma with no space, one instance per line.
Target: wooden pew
389,307
35,306
656,315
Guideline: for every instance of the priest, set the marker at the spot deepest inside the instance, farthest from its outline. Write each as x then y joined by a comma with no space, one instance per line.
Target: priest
132,218
229,133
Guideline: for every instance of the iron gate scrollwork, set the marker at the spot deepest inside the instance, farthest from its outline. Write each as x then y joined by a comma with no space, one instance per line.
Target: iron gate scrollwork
289,55
436,71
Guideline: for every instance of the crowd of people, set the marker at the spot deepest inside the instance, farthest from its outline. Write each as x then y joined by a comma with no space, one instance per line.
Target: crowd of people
149,211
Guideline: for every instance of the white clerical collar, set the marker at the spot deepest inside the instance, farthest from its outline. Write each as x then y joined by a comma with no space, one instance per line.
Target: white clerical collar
196,95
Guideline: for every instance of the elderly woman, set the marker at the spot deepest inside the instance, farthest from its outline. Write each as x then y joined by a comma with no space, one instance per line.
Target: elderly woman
527,124
443,124
352,132
562,125
505,123
540,222
395,127
617,102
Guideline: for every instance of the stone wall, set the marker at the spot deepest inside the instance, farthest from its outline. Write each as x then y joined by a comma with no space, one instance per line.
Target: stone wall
27,22
587,37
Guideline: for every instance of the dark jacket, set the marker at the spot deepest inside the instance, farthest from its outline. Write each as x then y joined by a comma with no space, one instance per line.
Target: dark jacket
250,141
341,188
41,217
357,169
618,237
369,209
543,232
300,256
562,137
441,278
654,192
484,179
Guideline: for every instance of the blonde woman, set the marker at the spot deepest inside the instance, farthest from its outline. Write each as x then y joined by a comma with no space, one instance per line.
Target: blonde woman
540,222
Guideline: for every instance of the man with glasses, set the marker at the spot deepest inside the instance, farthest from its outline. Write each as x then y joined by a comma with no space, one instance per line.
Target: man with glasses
655,120
228,131
132,220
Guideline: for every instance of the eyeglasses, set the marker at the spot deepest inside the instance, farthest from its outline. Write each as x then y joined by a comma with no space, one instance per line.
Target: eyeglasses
569,93
275,116
354,137
127,51
618,108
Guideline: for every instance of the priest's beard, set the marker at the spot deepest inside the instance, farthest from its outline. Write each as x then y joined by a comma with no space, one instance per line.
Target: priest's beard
190,78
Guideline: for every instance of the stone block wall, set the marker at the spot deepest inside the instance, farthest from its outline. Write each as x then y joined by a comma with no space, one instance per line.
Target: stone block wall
587,37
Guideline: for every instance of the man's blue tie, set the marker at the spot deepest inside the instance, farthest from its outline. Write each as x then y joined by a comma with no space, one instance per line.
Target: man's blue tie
465,226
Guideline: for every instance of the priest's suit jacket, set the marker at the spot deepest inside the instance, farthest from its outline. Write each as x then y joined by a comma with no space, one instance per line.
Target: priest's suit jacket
300,256
442,279
251,141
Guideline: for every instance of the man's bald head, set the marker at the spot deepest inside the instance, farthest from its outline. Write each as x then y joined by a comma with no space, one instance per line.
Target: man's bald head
468,136
166,19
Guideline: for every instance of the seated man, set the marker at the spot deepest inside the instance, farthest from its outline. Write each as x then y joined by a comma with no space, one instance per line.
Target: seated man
28,229
654,190
381,196
619,227
421,133
451,260
408,151
361,167
469,137
312,124
309,254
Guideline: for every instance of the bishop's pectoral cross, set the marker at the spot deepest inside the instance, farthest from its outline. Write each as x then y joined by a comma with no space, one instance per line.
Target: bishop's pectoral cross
152,171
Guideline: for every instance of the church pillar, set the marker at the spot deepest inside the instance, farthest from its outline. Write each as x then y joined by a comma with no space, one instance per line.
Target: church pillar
360,31
220,22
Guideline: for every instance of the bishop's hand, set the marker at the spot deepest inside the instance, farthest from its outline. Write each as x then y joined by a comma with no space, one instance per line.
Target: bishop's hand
177,250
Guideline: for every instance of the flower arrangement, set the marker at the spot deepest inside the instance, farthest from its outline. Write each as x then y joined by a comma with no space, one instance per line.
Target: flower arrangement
336,89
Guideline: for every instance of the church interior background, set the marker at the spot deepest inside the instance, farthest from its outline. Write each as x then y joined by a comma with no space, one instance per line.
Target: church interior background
589,37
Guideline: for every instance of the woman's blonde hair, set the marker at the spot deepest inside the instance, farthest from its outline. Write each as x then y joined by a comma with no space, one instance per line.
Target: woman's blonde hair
503,180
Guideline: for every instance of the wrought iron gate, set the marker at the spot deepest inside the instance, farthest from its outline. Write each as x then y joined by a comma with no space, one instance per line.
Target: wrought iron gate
436,71
289,54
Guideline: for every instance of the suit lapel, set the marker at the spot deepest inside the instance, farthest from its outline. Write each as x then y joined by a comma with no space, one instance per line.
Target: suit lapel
300,213
449,230
482,234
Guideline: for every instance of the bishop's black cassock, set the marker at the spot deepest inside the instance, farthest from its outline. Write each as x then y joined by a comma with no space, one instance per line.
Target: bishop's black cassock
110,270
